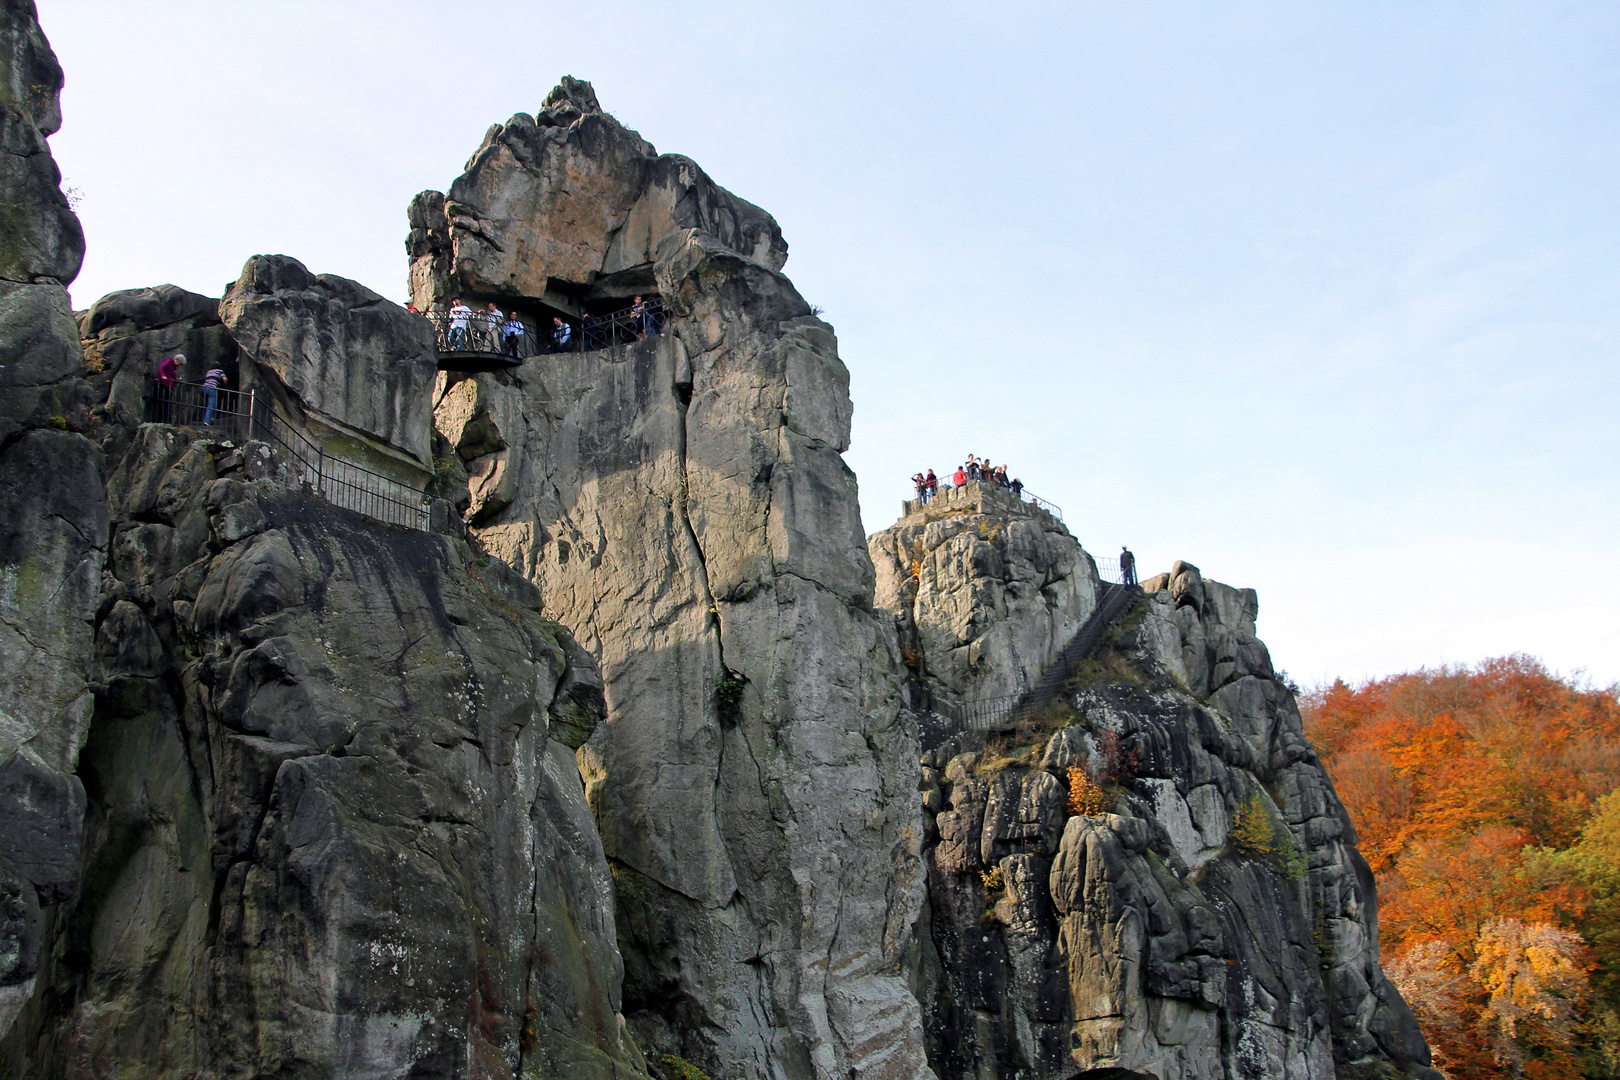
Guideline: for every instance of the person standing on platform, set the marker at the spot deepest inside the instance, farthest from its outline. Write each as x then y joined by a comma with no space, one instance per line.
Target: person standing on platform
512,335
168,378
212,381
1127,566
459,314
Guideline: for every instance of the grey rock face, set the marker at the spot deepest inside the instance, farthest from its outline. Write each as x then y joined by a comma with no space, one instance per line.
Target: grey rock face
1139,941
683,507
334,822
53,535
570,197
40,237
987,589
337,356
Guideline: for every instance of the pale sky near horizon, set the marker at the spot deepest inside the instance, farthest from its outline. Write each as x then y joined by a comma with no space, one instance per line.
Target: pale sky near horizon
1322,297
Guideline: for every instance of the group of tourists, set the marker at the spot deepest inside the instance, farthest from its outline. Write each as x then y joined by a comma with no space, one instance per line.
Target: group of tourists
170,407
975,468
466,329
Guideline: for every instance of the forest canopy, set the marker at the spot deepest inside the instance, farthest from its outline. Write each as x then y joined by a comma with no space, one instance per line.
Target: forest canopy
1487,801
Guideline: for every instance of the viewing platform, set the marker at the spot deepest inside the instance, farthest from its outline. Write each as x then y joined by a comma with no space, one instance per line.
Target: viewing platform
979,497
478,340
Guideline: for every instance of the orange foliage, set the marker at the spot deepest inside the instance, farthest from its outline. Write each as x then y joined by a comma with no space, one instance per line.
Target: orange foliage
1459,781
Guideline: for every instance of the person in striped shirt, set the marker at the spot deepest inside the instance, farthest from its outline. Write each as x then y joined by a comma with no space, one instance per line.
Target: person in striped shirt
212,381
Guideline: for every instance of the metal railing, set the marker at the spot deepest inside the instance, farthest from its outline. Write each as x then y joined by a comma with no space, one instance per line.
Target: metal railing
243,416
1023,495
1110,571
1011,709
228,412
483,332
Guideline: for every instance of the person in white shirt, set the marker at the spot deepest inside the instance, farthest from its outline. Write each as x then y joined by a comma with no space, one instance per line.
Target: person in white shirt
459,314
492,324
560,333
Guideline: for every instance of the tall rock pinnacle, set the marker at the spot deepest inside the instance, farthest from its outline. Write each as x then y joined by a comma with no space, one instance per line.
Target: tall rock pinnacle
681,502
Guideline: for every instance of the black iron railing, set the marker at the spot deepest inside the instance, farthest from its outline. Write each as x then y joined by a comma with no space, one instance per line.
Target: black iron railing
243,416
228,412
474,331
1111,571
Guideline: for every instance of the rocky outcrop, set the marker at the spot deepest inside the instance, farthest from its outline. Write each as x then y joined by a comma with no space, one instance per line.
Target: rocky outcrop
1153,879
350,368
570,200
682,504
987,589
53,534
334,825
40,237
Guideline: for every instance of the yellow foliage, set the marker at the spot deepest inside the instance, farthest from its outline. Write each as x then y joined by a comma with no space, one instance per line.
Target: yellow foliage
993,880
1086,796
1252,833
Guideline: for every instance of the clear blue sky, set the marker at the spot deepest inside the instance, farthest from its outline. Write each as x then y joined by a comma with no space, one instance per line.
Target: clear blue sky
1322,297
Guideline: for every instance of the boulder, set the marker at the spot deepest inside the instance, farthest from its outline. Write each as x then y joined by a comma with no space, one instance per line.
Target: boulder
989,591
570,197
337,356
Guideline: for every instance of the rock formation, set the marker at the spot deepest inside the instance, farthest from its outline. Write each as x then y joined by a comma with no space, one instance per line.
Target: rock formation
354,370
1154,875
988,590
335,825
53,534
682,505
619,760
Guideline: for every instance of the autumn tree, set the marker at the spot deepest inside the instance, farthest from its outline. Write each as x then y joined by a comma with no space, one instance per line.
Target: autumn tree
1483,798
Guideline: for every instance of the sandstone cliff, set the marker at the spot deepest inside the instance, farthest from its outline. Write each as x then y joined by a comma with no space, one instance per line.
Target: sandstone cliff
682,505
1151,875
334,821
622,761
53,534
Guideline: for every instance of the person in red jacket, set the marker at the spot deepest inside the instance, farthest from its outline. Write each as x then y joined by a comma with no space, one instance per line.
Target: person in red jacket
168,377
959,477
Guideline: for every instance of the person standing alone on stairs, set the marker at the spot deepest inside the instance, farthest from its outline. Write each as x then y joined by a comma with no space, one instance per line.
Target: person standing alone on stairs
1127,566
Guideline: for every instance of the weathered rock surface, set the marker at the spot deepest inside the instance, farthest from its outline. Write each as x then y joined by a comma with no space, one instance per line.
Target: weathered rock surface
987,590
53,534
1143,938
40,237
570,198
339,358
335,826
682,505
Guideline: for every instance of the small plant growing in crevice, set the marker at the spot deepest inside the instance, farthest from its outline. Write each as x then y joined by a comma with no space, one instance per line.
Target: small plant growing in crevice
1252,834
680,1069
1117,760
1087,797
1326,954
728,695
911,657
1256,835
1290,860
994,880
